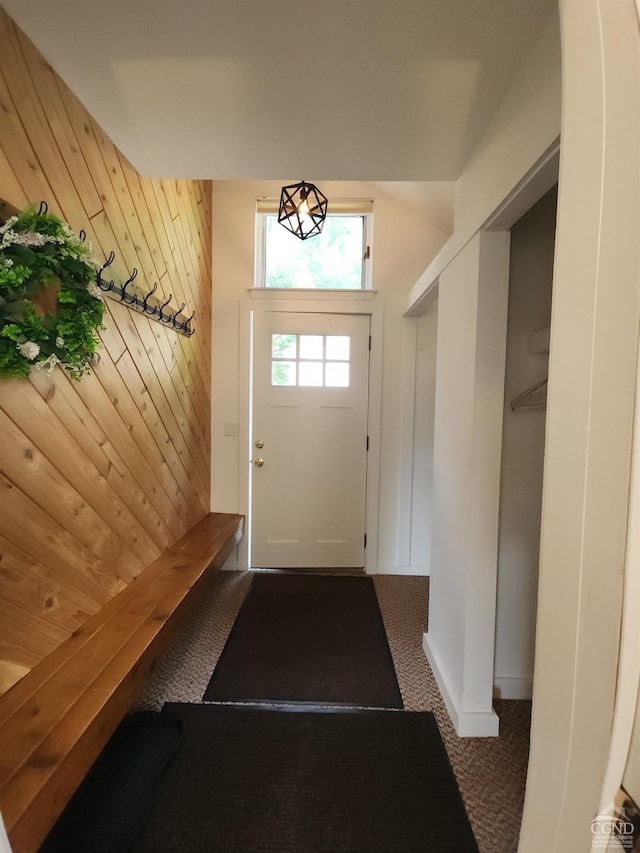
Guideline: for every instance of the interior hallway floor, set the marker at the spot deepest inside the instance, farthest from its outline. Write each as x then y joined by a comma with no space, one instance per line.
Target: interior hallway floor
491,772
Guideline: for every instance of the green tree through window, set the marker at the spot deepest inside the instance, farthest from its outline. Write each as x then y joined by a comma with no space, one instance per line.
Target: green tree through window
332,260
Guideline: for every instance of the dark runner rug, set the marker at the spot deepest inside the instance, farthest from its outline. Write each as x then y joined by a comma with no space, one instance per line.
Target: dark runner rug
112,803
253,780
310,639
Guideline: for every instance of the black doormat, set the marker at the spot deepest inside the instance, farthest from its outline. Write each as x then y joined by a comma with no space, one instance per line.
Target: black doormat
252,780
111,805
307,639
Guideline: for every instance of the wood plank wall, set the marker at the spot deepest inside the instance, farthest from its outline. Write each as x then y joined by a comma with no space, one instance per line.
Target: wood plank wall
97,477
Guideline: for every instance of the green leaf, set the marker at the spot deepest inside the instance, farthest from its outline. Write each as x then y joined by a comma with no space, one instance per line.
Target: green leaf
13,332
23,254
14,310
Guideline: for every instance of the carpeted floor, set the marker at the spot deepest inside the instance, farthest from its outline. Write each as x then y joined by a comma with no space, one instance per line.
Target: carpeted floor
491,772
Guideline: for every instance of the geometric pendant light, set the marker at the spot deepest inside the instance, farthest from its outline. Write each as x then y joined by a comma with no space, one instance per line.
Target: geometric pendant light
303,209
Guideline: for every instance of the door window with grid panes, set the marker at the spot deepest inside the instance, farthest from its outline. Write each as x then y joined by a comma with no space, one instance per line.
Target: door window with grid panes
310,360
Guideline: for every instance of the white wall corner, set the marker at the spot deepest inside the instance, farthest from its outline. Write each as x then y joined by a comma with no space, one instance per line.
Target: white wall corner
484,481
466,723
231,565
471,343
511,687
408,381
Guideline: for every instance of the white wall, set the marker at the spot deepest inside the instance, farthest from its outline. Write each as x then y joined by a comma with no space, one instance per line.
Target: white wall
530,281
624,749
422,463
403,244
594,340
525,126
460,642
472,328
631,779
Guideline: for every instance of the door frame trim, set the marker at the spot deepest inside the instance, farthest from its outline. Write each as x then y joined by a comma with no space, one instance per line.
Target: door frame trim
311,302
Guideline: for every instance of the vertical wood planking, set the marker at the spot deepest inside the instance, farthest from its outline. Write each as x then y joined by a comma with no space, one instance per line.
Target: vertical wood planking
97,478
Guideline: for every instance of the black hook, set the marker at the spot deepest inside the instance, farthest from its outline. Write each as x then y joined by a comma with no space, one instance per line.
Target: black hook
133,299
106,264
43,209
144,304
175,316
123,292
162,307
185,325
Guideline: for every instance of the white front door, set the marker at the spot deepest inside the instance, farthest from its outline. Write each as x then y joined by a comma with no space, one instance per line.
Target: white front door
309,440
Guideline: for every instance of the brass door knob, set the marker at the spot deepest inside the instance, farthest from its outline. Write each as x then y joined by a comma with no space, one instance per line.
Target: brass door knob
259,444
259,462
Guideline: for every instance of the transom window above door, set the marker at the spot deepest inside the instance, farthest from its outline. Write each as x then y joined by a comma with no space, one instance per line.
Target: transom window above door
310,360
337,259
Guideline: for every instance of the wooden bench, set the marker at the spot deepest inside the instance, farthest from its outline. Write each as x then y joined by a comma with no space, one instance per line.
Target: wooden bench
56,720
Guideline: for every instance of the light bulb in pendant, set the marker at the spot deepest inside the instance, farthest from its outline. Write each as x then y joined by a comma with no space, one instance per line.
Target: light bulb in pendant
303,212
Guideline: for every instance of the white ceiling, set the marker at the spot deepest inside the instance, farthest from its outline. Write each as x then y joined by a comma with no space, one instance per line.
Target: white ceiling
373,90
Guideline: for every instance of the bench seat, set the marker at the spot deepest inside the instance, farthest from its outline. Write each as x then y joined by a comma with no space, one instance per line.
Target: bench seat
56,720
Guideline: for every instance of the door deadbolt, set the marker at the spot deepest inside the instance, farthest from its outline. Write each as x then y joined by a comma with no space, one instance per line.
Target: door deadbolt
259,462
259,444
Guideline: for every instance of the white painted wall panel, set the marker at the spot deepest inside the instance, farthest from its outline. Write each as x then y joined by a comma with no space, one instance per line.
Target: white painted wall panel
472,319
422,477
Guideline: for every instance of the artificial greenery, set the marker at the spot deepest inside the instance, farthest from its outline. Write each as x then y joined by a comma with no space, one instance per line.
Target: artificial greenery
41,256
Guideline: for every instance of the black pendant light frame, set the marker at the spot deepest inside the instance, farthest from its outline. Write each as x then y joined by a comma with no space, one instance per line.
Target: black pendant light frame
303,209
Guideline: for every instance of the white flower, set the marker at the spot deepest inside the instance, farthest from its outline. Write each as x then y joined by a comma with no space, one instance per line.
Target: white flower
22,238
59,342
8,224
31,238
51,362
8,238
29,350
94,290
7,263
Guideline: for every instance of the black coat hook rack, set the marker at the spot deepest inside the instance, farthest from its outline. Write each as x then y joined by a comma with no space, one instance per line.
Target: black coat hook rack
149,304
125,294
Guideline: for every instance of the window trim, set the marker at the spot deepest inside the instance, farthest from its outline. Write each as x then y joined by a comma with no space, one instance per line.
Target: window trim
338,207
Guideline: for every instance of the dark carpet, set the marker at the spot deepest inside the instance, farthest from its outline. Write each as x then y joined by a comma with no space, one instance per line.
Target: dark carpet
307,639
261,781
112,803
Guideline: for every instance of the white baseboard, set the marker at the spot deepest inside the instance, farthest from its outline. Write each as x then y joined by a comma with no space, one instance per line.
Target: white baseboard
388,569
466,723
509,687
230,566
